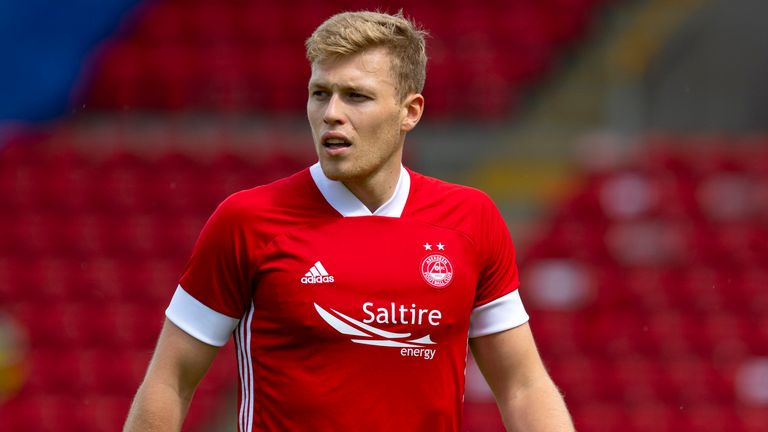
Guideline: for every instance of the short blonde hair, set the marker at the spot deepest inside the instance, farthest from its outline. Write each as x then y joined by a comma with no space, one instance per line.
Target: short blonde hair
350,33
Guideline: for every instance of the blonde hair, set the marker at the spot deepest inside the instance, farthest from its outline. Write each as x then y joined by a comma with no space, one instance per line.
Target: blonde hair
350,33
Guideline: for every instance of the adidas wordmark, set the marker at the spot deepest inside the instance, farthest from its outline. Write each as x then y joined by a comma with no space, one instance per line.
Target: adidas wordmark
316,275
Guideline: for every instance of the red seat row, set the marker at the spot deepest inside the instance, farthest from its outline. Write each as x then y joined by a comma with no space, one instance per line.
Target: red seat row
224,56
657,416
147,280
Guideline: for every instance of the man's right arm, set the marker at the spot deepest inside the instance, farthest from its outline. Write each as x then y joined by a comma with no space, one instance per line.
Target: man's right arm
179,363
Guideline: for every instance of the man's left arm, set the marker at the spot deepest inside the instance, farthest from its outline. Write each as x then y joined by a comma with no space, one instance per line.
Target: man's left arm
527,397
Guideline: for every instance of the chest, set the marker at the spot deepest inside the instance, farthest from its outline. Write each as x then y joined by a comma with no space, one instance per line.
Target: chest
371,279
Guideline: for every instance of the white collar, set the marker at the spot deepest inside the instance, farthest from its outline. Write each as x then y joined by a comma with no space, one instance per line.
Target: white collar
346,203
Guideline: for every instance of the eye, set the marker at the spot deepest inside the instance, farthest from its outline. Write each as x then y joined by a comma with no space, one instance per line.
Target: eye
358,97
319,94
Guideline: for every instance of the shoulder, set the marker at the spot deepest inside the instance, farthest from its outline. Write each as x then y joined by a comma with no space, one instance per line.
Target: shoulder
454,206
287,192
435,193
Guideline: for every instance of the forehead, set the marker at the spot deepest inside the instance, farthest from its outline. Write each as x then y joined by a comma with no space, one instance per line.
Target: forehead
369,67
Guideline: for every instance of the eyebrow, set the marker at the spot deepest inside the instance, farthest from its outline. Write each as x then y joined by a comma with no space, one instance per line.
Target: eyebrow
343,88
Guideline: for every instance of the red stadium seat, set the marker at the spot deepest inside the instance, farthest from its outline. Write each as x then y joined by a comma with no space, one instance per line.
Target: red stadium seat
46,413
709,417
160,22
257,23
599,416
636,380
656,416
209,23
166,82
482,417
752,418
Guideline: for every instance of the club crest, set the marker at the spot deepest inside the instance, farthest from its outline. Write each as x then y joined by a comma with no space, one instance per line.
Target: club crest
437,270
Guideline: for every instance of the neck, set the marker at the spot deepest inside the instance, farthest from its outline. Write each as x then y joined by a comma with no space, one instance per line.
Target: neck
375,189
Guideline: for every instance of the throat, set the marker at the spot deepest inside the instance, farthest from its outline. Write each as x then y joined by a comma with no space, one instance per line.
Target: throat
373,199
375,191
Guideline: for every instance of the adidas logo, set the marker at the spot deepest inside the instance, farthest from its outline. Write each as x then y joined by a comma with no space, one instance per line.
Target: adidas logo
317,275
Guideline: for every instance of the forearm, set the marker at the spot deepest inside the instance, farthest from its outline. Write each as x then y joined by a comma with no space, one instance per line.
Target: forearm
537,407
177,366
157,408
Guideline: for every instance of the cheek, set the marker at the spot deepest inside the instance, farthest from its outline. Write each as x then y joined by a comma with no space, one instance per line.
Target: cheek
389,129
382,121
314,120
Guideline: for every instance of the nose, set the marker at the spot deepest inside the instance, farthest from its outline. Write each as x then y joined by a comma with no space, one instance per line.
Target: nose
333,113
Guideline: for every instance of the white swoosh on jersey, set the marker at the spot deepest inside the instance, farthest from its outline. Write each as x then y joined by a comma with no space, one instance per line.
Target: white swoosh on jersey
426,340
374,330
347,329
386,343
338,324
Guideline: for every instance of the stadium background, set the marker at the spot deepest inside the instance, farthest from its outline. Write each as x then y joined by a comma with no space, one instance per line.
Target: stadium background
624,141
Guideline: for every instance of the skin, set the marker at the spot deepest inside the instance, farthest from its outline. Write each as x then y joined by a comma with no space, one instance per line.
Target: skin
355,99
178,364
528,400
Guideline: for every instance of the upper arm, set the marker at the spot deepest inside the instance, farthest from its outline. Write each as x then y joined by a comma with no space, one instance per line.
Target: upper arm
179,361
508,360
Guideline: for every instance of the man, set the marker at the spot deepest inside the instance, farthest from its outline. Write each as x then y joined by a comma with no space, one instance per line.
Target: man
352,287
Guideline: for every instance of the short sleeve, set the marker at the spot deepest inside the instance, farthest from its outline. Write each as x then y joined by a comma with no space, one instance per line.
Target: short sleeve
497,304
214,288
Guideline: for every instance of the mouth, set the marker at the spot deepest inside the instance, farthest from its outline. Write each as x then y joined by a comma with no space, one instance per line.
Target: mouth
335,144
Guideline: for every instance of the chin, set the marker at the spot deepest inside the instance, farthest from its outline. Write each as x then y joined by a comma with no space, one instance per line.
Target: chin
333,171
339,172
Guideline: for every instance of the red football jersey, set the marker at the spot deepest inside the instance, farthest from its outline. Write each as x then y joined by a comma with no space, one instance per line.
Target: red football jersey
346,319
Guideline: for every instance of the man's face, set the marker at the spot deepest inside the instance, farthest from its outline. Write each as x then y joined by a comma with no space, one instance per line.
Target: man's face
358,121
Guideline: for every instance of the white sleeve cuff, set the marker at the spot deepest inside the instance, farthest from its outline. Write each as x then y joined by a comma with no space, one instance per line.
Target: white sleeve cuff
200,321
501,314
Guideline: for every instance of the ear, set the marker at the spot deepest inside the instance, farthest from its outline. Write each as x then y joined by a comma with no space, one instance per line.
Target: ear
413,107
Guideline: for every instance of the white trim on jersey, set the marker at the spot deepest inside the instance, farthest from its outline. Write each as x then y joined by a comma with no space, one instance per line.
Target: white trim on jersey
346,203
198,320
504,313
245,366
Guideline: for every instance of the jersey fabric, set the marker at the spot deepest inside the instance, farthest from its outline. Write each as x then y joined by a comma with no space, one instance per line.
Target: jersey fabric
346,319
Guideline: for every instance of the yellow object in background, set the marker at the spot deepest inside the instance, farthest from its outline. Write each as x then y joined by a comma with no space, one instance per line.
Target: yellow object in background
13,352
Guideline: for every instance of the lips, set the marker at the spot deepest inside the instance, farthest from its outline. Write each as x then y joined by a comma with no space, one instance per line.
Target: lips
335,143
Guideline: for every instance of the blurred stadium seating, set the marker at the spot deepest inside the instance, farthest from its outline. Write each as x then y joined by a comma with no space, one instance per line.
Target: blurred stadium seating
237,56
647,289
90,251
